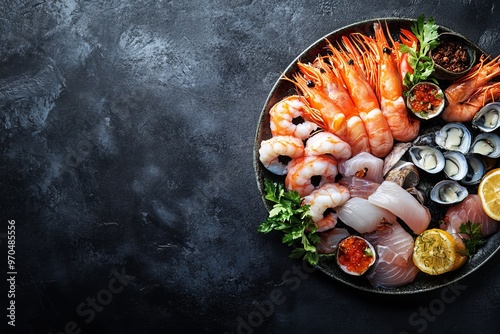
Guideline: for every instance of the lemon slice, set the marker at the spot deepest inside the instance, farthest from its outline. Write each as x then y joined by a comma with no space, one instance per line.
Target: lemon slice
488,191
437,252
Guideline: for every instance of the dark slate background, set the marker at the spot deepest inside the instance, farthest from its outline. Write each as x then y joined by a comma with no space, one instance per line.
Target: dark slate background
126,144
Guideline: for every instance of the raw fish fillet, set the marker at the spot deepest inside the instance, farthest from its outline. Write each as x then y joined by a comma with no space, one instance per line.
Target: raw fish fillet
359,187
394,266
392,197
330,240
361,161
469,209
363,216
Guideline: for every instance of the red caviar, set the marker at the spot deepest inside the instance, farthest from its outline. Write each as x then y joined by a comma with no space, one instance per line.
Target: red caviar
355,254
425,98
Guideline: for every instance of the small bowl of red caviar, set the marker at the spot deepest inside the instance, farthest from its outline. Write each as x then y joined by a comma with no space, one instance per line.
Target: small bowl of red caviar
425,100
355,255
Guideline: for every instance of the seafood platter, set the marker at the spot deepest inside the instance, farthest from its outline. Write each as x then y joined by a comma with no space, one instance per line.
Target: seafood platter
386,134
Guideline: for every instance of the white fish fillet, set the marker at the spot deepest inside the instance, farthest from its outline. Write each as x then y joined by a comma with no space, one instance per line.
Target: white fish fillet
363,216
358,186
330,240
394,266
359,162
392,197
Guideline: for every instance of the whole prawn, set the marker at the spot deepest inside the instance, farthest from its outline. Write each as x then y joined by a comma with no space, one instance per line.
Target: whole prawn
325,76
364,98
464,112
459,92
389,87
321,109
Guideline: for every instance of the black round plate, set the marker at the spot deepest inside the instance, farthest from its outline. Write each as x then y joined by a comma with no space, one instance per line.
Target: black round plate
282,88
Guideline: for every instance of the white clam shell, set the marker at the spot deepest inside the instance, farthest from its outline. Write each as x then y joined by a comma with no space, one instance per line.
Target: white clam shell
487,119
455,166
448,192
427,158
475,170
454,137
486,144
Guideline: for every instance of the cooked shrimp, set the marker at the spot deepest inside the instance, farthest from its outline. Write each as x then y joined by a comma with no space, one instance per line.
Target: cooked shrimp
322,110
365,100
327,143
409,39
287,118
464,112
323,203
275,153
390,90
461,90
331,80
310,172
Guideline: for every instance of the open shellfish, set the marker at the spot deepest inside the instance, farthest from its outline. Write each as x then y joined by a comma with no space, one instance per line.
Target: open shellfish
455,166
454,137
448,192
486,144
487,119
427,158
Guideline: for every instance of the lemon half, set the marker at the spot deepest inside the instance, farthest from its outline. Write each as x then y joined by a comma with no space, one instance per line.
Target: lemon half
437,252
489,193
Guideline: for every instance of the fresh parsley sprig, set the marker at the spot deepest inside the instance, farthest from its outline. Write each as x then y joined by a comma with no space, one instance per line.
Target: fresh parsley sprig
475,239
427,34
293,219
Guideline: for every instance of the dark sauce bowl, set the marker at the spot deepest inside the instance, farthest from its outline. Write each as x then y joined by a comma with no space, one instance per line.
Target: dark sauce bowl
443,73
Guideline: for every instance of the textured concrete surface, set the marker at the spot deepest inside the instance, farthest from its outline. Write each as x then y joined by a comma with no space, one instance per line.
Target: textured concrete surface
126,145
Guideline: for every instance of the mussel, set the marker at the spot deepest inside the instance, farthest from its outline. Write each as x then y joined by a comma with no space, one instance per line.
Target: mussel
475,170
454,137
455,166
487,119
486,144
427,158
448,192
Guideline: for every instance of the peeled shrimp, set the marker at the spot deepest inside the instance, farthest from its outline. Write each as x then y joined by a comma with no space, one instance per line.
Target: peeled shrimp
390,90
286,118
329,196
365,100
272,152
465,87
327,143
329,79
310,172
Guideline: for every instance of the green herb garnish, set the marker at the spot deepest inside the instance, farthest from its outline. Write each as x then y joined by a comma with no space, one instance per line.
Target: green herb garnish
292,218
423,66
473,231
